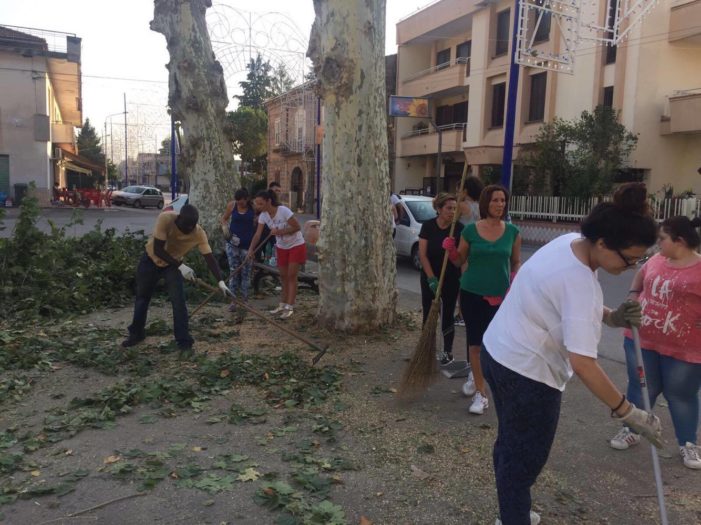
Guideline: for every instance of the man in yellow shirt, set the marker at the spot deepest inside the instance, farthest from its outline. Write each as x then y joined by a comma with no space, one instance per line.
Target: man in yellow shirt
173,237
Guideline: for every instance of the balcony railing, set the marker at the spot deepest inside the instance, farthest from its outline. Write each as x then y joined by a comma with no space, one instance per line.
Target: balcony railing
685,21
55,40
425,141
442,77
684,112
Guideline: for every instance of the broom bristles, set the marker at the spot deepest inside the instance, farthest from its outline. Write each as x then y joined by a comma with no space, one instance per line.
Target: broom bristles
422,368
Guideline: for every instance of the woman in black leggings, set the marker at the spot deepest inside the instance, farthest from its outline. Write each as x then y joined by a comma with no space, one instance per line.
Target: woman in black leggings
431,254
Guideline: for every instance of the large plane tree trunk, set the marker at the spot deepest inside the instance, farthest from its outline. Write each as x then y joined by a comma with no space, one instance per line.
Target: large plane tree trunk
357,256
198,99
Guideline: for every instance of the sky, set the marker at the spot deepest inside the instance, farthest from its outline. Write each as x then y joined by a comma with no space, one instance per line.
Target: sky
120,54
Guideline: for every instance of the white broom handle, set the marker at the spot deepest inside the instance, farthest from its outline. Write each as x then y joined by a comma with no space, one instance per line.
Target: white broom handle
646,405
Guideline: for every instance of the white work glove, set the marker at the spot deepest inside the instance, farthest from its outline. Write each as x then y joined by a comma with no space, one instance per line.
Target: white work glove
644,423
188,273
225,289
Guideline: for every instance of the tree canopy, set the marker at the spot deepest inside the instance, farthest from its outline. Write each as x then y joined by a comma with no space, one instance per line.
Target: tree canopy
577,158
258,84
249,134
90,145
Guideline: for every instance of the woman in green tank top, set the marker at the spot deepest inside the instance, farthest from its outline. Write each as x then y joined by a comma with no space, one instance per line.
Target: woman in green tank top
492,249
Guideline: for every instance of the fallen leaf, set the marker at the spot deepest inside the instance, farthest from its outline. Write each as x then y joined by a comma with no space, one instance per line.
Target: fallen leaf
378,494
393,390
224,373
418,473
250,474
197,449
35,473
68,452
266,376
365,521
112,459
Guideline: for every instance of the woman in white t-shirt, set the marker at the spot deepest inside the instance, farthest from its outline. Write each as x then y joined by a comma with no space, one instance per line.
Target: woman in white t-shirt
548,328
291,250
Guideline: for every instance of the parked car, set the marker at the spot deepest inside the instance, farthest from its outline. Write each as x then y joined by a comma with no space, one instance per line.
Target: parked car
138,196
177,203
417,210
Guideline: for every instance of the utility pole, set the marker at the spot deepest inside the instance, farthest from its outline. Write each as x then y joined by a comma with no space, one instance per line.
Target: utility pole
436,190
126,144
104,150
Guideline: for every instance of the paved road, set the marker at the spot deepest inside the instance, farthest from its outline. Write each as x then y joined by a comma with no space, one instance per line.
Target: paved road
129,219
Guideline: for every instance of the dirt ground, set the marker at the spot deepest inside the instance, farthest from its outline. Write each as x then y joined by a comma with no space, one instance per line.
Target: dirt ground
253,453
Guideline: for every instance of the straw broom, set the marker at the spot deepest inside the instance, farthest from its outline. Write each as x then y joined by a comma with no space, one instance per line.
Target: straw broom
422,368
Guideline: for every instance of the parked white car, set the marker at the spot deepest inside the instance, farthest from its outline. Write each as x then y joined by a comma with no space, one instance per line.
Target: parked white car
417,210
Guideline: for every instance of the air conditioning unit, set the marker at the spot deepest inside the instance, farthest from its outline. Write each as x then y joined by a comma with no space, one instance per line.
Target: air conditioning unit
58,153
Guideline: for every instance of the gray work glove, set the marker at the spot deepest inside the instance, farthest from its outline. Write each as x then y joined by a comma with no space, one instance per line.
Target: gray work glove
644,423
235,241
225,289
187,272
628,314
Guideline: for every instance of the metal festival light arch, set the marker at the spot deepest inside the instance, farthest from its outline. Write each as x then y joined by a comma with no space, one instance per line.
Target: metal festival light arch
238,36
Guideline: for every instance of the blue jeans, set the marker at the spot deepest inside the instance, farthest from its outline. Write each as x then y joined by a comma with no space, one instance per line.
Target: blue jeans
527,413
679,381
147,276
242,280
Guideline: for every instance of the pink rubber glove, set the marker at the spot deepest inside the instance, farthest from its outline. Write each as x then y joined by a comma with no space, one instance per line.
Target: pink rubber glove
449,246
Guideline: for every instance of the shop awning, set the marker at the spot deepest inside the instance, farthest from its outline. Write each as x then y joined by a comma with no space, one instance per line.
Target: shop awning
76,168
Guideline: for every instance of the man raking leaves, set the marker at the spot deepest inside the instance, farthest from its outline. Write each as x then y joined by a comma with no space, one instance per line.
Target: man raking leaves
174,235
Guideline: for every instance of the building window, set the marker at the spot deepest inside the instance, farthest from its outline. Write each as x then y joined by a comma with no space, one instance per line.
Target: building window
608,97
444,115
299,126
542,32
536,106
277,131
498,99
460,112
462,54
611,50
502,41
443,59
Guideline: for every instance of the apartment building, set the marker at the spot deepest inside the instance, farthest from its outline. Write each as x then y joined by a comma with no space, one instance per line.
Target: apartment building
293,135
457,53
291,145
40,107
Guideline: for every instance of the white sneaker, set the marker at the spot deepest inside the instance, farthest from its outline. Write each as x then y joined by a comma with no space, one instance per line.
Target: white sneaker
469,388
535,519
690,455
479,403
624,439
280,308
287,312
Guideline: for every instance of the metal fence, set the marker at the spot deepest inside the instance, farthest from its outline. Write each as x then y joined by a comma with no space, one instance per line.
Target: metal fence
574,209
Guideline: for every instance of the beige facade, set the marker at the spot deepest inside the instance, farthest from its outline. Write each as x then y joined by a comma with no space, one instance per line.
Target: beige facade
40,107
453,53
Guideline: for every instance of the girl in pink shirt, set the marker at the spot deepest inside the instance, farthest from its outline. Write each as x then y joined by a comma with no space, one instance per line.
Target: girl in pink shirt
668,287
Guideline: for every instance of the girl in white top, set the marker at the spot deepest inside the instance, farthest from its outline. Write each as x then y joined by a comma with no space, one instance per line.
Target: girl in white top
290,247
548,328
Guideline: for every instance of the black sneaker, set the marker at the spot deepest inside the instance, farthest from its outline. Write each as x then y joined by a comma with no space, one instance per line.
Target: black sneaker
132,340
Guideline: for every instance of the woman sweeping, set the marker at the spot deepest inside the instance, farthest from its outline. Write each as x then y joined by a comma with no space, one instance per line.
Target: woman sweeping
291,251
431,253
548,328
669,289
492,249
239,219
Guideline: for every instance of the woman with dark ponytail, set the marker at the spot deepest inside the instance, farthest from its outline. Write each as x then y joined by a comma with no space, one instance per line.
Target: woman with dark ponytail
669,288
547,329
291,251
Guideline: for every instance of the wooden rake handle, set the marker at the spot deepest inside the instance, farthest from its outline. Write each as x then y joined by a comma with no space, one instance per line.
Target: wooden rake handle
280,326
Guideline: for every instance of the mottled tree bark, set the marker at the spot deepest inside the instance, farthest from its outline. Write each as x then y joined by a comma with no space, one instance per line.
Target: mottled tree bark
357,256
197,98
